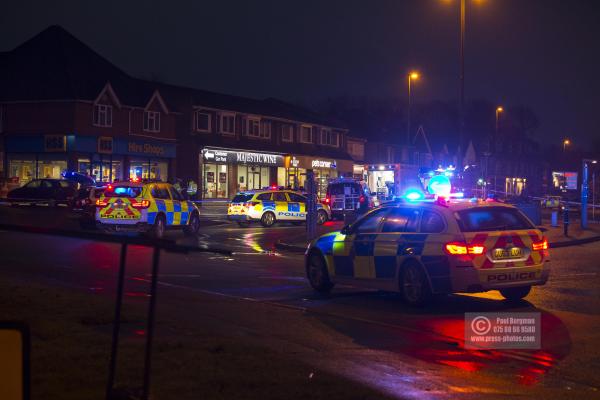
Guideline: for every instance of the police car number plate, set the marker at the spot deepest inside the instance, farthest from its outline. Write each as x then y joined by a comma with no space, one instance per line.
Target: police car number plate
504,254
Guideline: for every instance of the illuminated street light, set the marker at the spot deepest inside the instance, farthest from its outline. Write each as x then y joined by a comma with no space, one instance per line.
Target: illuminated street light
411,76
566,143
499,110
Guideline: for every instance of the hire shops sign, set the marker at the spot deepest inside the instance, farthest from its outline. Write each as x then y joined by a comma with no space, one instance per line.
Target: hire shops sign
242,157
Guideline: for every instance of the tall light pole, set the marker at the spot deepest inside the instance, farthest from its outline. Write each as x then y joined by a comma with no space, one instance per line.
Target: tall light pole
584,191
566,143
498,111
461,122
411,76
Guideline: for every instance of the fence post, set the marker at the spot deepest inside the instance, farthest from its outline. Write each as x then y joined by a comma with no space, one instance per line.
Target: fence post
116,324
150,325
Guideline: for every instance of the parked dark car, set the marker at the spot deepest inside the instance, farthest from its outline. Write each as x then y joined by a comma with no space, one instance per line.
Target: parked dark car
51,191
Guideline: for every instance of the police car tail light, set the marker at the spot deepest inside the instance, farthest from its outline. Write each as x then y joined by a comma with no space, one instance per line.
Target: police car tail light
251,203
101,203
543,245
460,248
327,200
140,204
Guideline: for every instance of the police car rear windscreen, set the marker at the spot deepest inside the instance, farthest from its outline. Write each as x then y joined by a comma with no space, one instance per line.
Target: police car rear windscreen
492,219
123,191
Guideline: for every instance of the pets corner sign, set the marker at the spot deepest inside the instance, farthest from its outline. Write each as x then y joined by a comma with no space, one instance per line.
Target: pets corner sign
323,164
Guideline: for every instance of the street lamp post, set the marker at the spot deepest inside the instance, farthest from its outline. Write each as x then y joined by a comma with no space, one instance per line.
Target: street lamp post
461,111
566,142
411,76
498,111
584,191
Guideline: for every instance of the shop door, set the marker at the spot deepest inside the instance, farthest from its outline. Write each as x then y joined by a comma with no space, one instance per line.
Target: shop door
253,179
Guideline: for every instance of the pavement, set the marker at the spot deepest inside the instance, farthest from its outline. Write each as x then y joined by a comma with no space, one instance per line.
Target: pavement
555,236
260,297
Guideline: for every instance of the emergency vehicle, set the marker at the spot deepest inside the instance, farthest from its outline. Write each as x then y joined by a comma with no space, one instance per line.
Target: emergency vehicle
150,207
271,205
433,247
348,195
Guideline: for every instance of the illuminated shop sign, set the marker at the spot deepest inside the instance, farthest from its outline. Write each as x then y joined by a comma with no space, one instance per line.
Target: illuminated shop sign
145,148
323,164
242,157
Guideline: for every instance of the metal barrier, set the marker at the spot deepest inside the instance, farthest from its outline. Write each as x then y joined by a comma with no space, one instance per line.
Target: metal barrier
157,245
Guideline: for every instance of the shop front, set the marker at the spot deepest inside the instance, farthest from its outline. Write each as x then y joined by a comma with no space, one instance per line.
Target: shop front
294,175
227,171
106,159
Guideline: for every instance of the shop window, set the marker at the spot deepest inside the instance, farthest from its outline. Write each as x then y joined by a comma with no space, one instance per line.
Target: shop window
203,121
329,138
287,133
227,124
215,181
265,130
253,127
306,134
102,115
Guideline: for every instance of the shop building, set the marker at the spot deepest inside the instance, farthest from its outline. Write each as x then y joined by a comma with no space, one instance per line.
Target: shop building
107,125
235,144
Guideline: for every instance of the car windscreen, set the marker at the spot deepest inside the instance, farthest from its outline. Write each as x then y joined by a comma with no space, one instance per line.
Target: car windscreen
242,197
491,219
123,191
344,188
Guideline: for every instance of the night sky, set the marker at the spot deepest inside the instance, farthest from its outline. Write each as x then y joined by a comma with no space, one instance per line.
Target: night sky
541,53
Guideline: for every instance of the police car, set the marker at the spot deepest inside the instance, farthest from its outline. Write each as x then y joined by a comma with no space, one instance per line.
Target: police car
424,248
271,205
145,207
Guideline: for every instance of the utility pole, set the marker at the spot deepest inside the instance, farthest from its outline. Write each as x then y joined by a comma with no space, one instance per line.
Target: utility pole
461,111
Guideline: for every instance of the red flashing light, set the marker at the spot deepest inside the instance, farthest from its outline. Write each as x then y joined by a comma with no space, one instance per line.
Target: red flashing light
140,204
101,203
109,187
543,245
251,203
273,187
361,199
135,179
326,200
460,248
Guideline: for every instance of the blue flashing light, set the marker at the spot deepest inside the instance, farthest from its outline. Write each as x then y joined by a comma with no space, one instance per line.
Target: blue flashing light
439,185
414,195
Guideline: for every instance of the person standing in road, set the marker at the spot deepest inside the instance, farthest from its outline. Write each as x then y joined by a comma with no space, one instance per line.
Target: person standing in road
192,189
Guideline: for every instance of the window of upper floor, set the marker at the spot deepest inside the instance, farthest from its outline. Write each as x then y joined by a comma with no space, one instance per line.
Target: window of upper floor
356,149
329,138
287,133
152,121
306,134
203,121
102,115
265,129
227,124
253,127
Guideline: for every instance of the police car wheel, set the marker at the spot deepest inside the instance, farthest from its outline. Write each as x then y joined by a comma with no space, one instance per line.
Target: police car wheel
193,226
321,217
267,219
414,286
515,294
158,230
317,274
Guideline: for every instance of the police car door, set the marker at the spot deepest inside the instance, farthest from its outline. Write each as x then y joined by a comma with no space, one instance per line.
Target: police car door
353,254
281,206
396,241
180,207
297,206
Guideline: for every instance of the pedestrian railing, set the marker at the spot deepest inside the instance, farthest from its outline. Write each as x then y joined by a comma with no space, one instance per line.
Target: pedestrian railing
157,245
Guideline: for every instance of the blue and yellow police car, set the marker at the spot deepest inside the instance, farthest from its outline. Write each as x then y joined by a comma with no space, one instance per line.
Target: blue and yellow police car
270,205
151,207
425,248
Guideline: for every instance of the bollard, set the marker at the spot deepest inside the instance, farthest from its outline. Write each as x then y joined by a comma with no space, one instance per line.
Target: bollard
566,220
554,219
